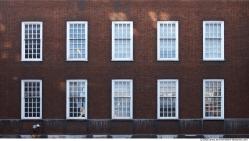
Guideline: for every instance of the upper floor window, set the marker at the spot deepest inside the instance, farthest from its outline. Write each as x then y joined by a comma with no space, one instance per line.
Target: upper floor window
213,40
122,41
31,99
167,40
213,98
122,97
77,41
31,41
76,99
167,99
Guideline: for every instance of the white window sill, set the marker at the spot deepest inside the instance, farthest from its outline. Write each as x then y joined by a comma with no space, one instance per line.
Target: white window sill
214,59
167,118
76,118
116,60
213,118
31,118
122,118
25,60
167,59
77,60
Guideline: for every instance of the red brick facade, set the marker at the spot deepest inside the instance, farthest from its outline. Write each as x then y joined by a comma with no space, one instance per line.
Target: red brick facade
99,70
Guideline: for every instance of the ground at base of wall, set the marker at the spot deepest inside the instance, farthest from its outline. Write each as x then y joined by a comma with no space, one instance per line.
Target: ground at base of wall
132,136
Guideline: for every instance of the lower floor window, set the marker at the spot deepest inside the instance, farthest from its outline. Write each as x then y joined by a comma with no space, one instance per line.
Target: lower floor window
122,99
31,99
76,99
213,98
167,98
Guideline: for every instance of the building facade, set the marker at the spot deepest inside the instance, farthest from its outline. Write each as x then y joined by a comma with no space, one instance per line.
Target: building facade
108,68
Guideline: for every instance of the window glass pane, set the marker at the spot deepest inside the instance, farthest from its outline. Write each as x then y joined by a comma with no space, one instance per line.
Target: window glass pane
122,40
77,41
77,98
32,41
167,40
167,98
31,99
122,99
213,39
213,98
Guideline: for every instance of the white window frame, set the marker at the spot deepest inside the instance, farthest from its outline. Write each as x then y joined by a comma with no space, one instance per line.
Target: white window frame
158,99
68,42
222,100
222,58
23,41
158,41
131,102
113,41
67,99
23,102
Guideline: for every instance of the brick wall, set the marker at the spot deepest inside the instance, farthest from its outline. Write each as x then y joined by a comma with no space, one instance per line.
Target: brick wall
144,70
